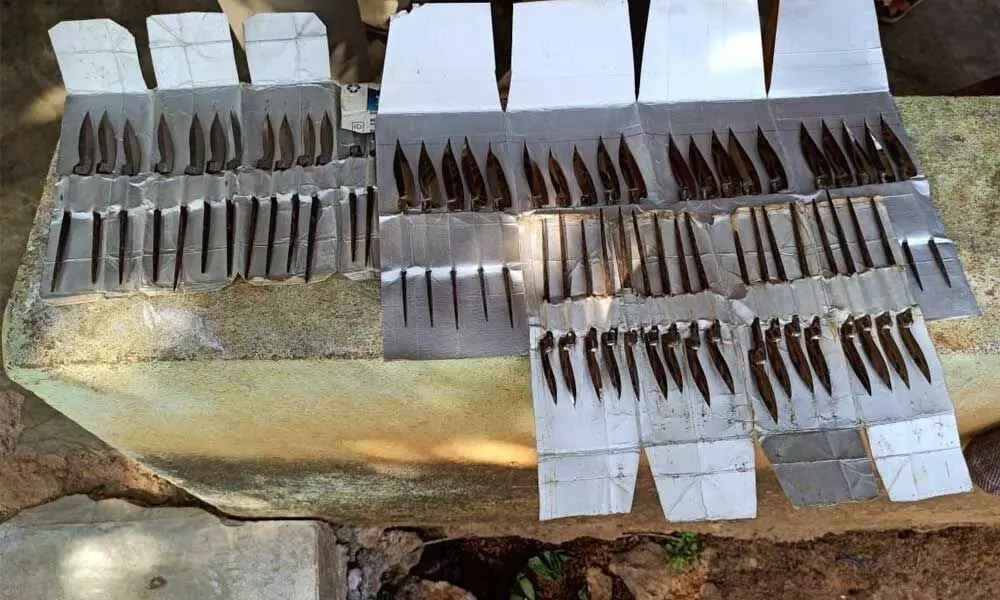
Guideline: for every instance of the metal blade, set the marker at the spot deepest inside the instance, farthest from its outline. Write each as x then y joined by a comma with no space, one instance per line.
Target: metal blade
237,129
872,351
609,339
565,275
97,236
883,325
165,146
866,256
251,233
777,180
687,188
605,256
740,256
219,145
779,264
624,253
699,265
590,344
428,181
842,175
749,180
904,323
862,166
402,281
661,257
473,178
878,156
123,243
642,255
630,171
231,237
631,338
545,346
708,187
308,155
352,216
793,341
272,230
451,177
266,162
107,145
824,239
507,285
815,159
325,140
536,184
85,147
566,342
482,292
608,173
691,344
286,143
670,340
428,283
370,223
206,234
403,175
157,234
845,250
936,253
196,148
714,337
847,336
293,233
588,193
497,181
883,236
546,294
133,151
772,337
813,336
454,295
758,369
652,341
681,258
181,240
905,244
800,246
588,275
759,244
563,196
730,182
904,164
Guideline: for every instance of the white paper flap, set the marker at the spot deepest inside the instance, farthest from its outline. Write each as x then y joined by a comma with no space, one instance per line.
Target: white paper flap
286,48
827,48
96,56
571,55
191,50
440,59
708,50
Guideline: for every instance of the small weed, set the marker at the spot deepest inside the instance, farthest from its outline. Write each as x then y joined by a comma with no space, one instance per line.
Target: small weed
684,549
745,549
549,565
524,590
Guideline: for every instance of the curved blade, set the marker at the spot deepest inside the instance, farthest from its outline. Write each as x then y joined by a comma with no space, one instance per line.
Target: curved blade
286,143
165,146
824,239
759,243
507,286
218,145
699,265
609,339
730,182
497,182
157,234
643,268
451,176
740,256
252,233
429,286
97,236
588,193
402,283
545,347
314,214
904,323
266,162
866,255
687,188
293,234
771,338
905,245
845,250
661,257
691,344
566,342
231,239
567,276
878,156
883,235
883,326
206,235
608,174
536,184
308,155
714,337
454,305
473,177
862,166
403,175
237,129
749,180
708,187
606,263
85,146
670,340
546,294
631,338
817,162
590,344
681,258
352,211
624,253
758,369
272,230
651,339
563,196
871,350
936,253
907,170
634,181
842,175
133,151
777,180
123,243
772,240
107,145
793,341
847,336
813,336
196,148
428,180
800,247
325,140
179,252
588,274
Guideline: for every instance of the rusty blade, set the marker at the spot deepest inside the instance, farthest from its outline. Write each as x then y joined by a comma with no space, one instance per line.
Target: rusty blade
609,339
588,274
883,235
588,193
157,234
97,236
740,257
758,368
429,286
196,148
473,178
936,253
631,338
482,292
609,175
707,186
266,162
536,184
564,197
546,295
181,239
813,335
206,234
606,264
871,349
842,175
370,222
286,143
904,164
651,339
565,275
800,246
308,155
325,140
670,340
777,180
545,346
590,344
687,188
749,180
699,265
661,257
123,243
845,250
691,344
237,129
714,337
883,326
272,230
428,180
451,177
352,212
403,175
507,286
866,255
905,245
218,144
85,146
566,343
904,323
497,182
862,166
793,341
681,258
824,240
454,295
815,159
165,146
402,285
624,253
642,255
847,336
252,233
293,233
107,145
772,337
634,181
730,182
878,156
133,151
758,239
231,237
772,240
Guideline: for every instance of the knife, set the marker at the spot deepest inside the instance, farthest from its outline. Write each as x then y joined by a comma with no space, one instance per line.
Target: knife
708,187
196,148
779,263
237,129
817,162
546,294
845,250
883,325
451,177
862,166
565,275
661,257
403,175
588,275
428,180
681,258
293,233
97,237
286,143
593,365
252,233
266,162
107,145
842,175
800,247
936,253
905,245
123,243
497,182
777,180
308,155
813,336
219,145
165,146
536,184
325,140
847,335
85,147
749,180
181,239
883,236
907,170
652,340
757,357
231,238
545,347
871,350
588,193
878,156
740,257
729,178
607,266
904,323
866,256
609,339
206,234
772,336
625,252
714,337
630,171
691,344
559,184
631,338
133,151
157,234
670,340
759,243
687,188
608,174
825,241
642,256
473,178
793,341
699,265
272,226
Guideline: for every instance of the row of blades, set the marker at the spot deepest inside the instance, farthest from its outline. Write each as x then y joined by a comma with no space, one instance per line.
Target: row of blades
123,218
107,146
865,164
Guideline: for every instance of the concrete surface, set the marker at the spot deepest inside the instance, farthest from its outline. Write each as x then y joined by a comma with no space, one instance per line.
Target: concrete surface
78,549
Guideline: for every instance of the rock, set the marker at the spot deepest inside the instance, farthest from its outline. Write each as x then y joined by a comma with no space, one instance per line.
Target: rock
389,560
599,585
646,572
983,457
10,420
709,591
421,589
